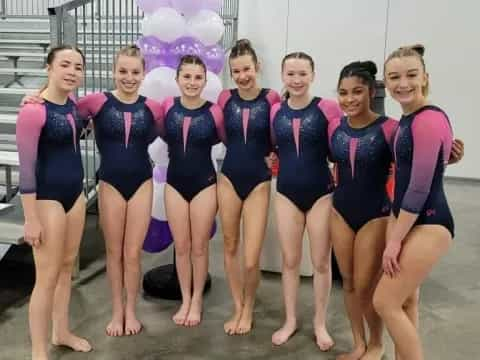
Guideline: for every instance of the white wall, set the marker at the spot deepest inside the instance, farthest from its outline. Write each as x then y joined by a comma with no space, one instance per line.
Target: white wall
450,35
335,33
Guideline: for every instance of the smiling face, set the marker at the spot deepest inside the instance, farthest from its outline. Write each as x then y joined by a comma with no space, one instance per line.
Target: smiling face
354,96
128,74
66,70
191,80
297,76
406,80
244,72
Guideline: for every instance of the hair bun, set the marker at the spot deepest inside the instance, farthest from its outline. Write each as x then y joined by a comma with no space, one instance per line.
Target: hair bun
419,48
369,66
243,44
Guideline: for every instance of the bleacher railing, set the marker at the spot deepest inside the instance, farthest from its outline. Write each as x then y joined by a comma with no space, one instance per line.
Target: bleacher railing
26,8
100,28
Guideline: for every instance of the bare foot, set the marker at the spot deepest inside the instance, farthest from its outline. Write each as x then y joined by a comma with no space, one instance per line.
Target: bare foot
355,354
282,335
132,325
323,339
194,314
231,325
115,327
181,315
72,341
246,322
374,352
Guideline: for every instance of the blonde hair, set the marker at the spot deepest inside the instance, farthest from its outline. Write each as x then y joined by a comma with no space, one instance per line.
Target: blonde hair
417,50
130,50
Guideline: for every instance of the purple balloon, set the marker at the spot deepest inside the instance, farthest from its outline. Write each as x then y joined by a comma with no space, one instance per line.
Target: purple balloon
187,7
153,62
159,236
150,45
150,6
214,58
214,5
160,174
155,52
214,229
185,45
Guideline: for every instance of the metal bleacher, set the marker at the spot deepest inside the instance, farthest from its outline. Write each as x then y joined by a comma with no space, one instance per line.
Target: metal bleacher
99,28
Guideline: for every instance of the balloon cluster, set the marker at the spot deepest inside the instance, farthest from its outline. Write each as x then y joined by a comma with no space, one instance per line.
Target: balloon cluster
172,29
158,236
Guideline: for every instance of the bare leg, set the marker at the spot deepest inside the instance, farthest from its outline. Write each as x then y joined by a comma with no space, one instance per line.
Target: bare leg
321,254
203,209
178,217
369,246
139,210
48,258
291,225
410,306
343,239
61,334
423,247
113,209
230,209
255,215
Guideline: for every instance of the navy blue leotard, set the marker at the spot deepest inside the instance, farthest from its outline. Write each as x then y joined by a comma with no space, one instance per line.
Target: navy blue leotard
302,140
123,133
48,145
190,135
247,128
363,157
422,148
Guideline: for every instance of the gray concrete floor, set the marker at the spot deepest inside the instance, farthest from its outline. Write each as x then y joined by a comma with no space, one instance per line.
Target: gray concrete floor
450,306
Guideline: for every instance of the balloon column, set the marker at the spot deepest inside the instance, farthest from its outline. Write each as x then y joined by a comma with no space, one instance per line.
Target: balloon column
173,28
158,236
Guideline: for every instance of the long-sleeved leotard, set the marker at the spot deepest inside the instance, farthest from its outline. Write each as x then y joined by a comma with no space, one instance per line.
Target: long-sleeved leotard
247,128
422,148
48,142
302,140
363,157
190,135
123,133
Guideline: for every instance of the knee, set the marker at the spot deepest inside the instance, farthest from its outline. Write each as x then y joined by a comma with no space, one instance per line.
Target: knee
322,267
291,263
230,247
183,248
67,263
412,301
252,267
382,304
131,258
47,280
199,250
114,254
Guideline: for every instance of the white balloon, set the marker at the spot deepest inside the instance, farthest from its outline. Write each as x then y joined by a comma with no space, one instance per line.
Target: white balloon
160,83
158,151
206,26
165,23
158,205
218,153
212,88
